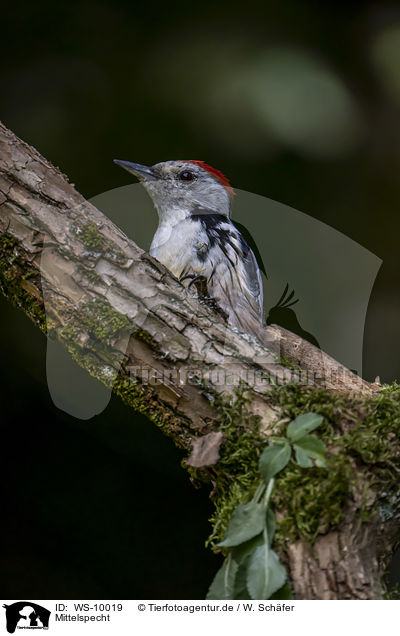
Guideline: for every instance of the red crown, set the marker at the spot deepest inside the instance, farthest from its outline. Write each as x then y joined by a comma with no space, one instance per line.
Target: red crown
215,173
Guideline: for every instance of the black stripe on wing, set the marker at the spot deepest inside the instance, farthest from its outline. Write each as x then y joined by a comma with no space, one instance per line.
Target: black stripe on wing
251,242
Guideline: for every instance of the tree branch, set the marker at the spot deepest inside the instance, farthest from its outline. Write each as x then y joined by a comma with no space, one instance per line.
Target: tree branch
132,325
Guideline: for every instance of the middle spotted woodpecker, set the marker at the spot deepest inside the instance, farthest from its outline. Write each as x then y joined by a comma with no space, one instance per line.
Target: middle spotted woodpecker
197,241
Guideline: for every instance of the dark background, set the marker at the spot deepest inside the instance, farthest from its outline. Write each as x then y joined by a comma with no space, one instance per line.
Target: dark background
294,100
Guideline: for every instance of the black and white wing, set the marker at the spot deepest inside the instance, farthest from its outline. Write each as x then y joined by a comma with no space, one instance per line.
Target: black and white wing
232,273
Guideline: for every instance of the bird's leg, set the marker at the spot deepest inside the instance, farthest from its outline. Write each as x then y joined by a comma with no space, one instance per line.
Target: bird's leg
195,279
204,296
192,276
200,282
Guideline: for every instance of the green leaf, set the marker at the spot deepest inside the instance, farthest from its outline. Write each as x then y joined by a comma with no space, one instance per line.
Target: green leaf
303,425
247,521
222,587
271,525
241,555
240,592
284,593
302,458
312,446
265,574
273,459
241,552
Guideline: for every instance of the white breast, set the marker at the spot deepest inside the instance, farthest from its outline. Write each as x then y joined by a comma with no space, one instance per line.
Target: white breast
177,246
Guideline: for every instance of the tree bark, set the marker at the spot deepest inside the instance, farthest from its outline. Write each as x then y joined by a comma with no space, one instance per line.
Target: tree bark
131,324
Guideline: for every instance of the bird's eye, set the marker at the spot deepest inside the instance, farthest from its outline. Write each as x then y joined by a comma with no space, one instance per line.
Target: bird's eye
186,175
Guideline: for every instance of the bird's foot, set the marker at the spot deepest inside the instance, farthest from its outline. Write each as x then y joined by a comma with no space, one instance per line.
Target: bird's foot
200,283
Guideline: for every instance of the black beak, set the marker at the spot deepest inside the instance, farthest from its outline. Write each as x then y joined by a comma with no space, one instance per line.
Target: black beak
141,172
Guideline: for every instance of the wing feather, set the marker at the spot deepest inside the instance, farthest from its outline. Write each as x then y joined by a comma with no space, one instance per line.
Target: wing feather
231,270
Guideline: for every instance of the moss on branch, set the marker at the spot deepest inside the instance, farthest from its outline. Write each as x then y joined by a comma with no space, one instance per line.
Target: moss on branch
20,281
363,462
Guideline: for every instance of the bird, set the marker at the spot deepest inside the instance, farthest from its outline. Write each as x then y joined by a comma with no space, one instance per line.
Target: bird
197,240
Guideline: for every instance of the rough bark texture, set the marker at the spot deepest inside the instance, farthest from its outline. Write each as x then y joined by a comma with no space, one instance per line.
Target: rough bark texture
340,565
126,319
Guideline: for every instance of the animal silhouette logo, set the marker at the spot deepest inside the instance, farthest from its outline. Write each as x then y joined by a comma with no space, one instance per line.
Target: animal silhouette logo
282,314
26,615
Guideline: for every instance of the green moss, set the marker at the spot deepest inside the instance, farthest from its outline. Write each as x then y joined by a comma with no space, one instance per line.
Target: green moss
103,321
362,451
91,238
393,594
8,242
93,277
374,443
237,469
310,501
94,331
13,270
145,336
98,319
359,434
142,399
295,399
284,362
95,242
373,437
